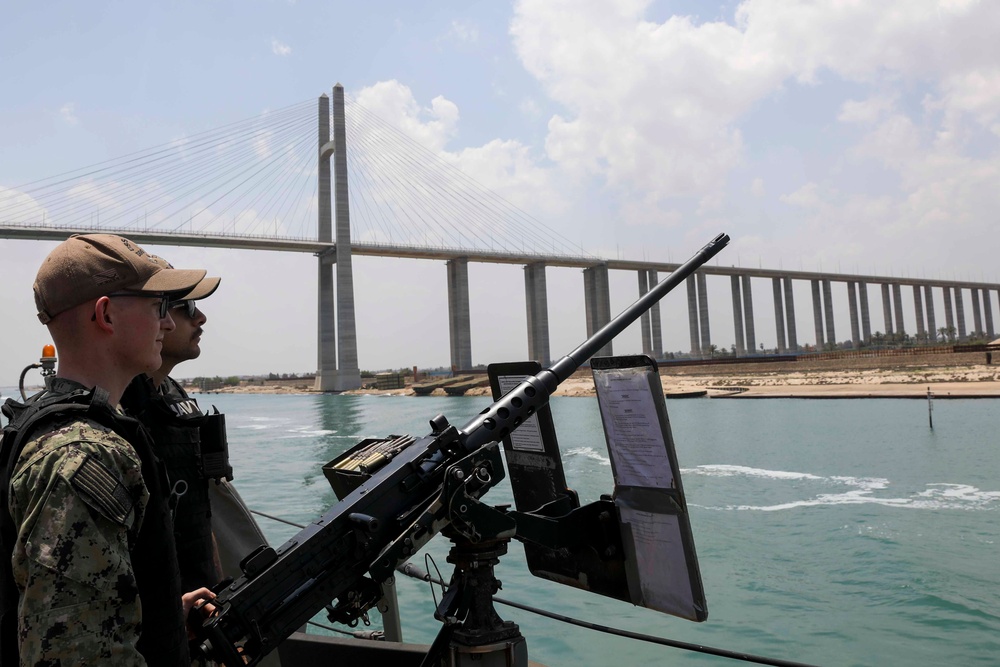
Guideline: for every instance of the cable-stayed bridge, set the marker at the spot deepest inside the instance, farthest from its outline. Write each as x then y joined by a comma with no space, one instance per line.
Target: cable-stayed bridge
341,182
258,180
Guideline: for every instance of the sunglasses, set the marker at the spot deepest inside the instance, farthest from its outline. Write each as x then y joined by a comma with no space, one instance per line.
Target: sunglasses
190,307
164,299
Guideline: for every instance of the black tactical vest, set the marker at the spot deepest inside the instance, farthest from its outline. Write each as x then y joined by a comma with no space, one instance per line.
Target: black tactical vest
173,420
163,636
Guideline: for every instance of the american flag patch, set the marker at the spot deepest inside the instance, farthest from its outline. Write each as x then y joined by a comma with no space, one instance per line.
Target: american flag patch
103,490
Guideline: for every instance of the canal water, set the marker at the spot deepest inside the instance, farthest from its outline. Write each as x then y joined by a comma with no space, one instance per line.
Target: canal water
842,532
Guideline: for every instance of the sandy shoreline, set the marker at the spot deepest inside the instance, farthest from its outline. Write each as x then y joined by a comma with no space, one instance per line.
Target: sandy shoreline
785,380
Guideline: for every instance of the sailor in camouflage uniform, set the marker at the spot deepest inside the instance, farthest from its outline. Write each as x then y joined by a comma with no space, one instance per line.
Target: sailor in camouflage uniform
89,574
175,421
72,555
213,528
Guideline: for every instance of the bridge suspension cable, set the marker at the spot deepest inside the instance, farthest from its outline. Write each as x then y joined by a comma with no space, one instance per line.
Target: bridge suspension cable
173,185
258,178
404,193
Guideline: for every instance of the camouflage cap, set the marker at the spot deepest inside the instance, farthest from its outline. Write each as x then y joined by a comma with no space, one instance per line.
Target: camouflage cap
203,289
88,266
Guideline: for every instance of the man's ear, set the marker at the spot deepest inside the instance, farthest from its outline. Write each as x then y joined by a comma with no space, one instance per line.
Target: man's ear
102,314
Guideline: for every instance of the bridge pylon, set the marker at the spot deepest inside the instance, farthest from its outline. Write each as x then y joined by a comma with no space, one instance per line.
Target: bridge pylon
337,368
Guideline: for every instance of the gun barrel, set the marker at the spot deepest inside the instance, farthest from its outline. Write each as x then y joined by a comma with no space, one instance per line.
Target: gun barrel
518,404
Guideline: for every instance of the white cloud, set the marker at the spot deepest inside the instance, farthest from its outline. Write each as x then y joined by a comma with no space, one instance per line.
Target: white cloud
863,41
509,169
805,197
656,107
279,48
658,112
16,206
866,111
465,31
68,113
894,142
394,103
975,93
651,107
530,108
940,217
640,212
711,203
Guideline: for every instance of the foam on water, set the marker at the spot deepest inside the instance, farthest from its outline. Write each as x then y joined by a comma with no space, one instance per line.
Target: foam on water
962,496
721,470
857,491
589,453
305,432
257,423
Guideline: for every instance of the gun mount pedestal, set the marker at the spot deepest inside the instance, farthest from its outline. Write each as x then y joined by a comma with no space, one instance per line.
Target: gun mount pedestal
474,635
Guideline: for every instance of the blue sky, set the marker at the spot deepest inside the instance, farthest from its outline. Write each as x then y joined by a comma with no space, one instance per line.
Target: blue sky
851,136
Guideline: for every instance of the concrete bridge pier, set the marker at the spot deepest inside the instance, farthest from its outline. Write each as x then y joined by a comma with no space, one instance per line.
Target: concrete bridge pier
647,342
852,302
793,341
931,324
649,321
741,348
779,314
866,319
694,330
536,301
706,334
918,310
960,315
748,315
459,322
831,334
897,302
988,312
977,317
597,299
887,309
656,331
817,314
949,318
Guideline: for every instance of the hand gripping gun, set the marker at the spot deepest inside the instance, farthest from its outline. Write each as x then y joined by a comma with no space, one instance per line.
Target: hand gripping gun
402,495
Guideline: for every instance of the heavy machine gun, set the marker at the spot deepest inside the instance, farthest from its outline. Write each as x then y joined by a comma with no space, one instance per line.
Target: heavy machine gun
400,493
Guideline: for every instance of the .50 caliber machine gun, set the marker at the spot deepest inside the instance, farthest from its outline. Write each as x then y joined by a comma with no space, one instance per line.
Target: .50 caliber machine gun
399,494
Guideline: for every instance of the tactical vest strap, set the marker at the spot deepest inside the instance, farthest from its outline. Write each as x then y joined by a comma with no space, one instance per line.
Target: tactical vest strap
100,403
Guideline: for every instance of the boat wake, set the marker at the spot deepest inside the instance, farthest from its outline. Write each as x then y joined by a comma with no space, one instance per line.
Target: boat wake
849,491
588,453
